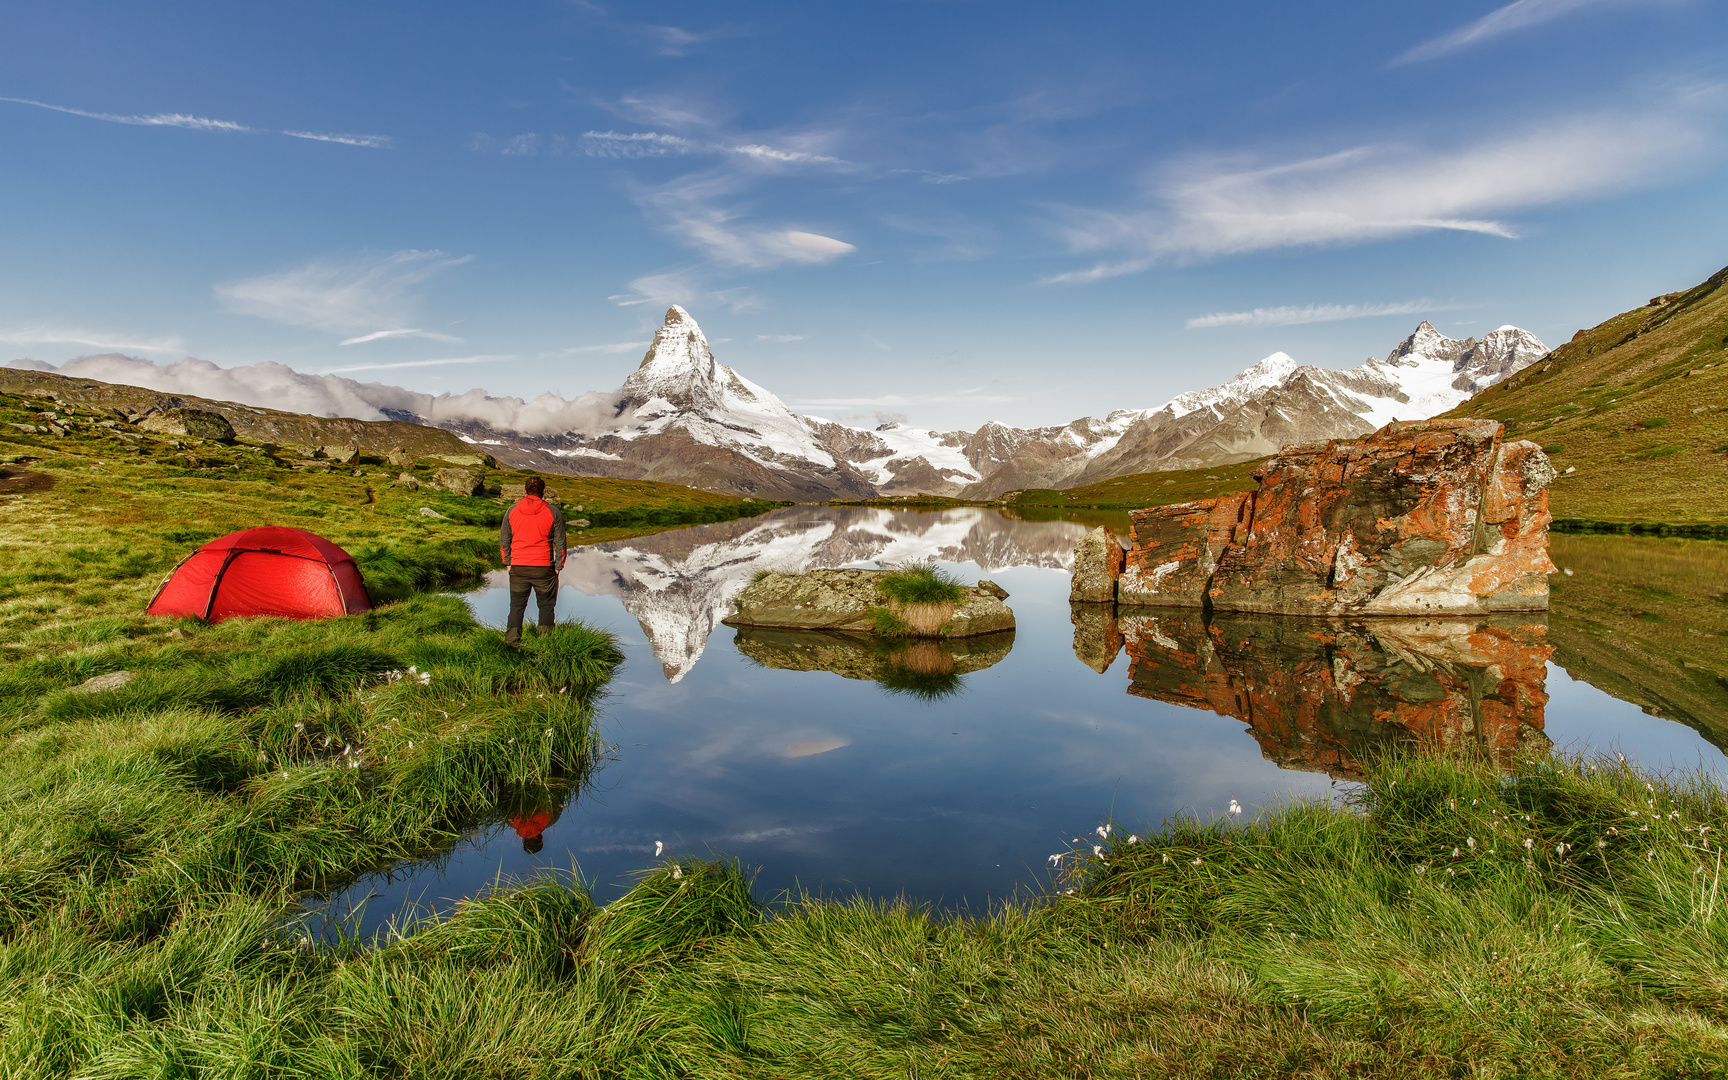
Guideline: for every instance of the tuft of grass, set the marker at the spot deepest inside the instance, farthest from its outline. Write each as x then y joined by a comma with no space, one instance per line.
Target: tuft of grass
922,584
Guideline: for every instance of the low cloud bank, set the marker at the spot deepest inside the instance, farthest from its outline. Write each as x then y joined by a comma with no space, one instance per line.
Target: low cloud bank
276,386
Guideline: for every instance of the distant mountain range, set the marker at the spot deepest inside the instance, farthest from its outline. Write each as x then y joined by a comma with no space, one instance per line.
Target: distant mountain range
683,417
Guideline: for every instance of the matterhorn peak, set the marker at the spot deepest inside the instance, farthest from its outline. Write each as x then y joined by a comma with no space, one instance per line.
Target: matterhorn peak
679,367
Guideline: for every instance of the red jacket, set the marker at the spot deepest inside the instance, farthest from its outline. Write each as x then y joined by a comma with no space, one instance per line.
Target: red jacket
532,534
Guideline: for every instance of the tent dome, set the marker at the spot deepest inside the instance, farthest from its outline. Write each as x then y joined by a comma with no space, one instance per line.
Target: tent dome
272,570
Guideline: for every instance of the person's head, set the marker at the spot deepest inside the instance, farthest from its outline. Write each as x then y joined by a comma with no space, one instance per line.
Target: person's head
533,844
535,487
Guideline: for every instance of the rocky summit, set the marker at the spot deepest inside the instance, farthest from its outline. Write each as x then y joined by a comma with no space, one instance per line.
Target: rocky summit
1421,518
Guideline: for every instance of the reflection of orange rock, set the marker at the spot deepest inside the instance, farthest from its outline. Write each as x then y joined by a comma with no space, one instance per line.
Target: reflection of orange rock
1097,637
1323,694
1419,518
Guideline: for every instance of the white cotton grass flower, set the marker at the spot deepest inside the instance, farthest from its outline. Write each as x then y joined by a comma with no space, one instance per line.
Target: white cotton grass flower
1166,856
658,848
1471,843
1235,808
1196,861
1056,859
1455,853
677,871
1528,843
1133,839
1421,869
1104,831
1097,850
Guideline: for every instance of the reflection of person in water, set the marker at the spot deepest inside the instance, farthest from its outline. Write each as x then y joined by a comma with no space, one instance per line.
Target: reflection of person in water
530,827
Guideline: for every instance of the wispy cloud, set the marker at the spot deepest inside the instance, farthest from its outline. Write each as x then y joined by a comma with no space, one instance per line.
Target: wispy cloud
1381,192
376,142
381,335
1514,16
694,210
179,120
685,287
645,144
203,123
614,347
780,337
340,295
1315,313
95,339
481,359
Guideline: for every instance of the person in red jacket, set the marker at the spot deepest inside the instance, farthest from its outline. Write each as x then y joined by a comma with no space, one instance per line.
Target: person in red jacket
531,542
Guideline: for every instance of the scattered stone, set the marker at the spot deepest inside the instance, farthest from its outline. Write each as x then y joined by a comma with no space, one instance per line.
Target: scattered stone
400,458
197,423
407,480
28,429
178,634
460,481
1570,469
1097,565
427,511
341,455
842,600
473,461
1425,517
114,680
993,589
579,523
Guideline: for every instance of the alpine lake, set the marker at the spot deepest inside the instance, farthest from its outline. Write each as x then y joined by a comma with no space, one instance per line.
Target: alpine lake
950,774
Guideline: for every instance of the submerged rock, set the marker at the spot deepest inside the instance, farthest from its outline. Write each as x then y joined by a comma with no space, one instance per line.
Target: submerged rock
1430,517
843,599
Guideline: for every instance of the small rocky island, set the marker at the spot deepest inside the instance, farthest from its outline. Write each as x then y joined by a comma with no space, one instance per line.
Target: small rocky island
1427,517
891,603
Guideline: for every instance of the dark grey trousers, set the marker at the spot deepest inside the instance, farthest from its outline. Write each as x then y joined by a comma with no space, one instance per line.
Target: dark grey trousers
544,581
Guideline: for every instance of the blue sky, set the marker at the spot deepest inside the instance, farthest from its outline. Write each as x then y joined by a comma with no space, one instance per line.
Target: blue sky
950,212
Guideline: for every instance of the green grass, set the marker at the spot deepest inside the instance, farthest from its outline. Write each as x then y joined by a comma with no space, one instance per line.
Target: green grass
1310,941
921,584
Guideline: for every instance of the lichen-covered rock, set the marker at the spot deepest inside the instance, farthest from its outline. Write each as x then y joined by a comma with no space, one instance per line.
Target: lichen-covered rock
1428,517
477,461
400,458
1327,695
842,600
196,423
1097,565
342,455
460,481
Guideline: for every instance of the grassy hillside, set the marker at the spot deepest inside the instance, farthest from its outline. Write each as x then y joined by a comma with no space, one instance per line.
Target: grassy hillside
1637,407
1137,490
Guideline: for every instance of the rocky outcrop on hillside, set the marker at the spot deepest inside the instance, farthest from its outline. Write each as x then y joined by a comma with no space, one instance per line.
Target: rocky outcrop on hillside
1422,518
1328,695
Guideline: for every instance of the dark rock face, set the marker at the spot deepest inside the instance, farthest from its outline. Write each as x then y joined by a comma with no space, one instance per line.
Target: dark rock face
1327,695
1421,518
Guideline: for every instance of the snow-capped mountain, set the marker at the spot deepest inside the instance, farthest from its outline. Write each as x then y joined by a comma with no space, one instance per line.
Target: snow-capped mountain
1272,404
685,418
680,584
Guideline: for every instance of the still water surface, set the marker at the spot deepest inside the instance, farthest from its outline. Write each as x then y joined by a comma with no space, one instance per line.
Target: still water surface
950,776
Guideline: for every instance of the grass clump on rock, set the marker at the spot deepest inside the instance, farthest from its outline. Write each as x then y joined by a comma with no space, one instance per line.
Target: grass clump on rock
921,600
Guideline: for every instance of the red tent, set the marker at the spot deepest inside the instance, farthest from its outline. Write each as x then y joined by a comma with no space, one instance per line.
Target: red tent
265,571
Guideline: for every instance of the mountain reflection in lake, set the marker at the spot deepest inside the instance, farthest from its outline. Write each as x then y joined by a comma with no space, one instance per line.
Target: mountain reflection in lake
950,773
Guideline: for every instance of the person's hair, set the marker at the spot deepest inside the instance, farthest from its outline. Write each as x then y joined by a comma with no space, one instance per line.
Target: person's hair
533,844
534,486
